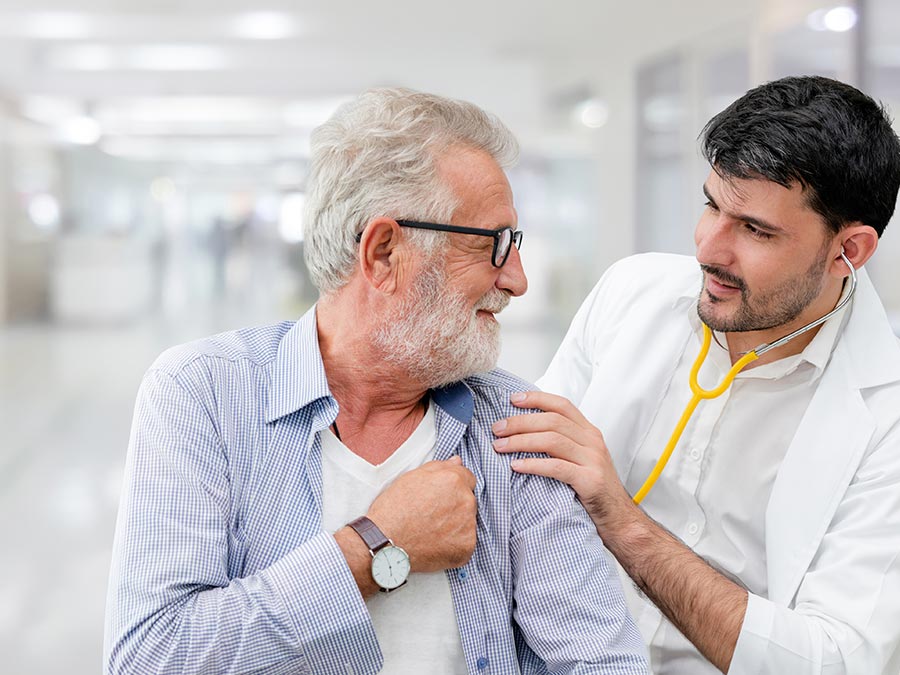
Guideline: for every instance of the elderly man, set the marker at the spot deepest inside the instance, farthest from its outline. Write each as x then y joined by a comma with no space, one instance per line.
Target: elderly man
282,481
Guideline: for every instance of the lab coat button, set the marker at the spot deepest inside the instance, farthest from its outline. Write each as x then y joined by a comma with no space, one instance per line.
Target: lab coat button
693,528
695,454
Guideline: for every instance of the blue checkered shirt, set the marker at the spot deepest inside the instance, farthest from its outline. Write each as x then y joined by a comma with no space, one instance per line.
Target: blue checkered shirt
220,564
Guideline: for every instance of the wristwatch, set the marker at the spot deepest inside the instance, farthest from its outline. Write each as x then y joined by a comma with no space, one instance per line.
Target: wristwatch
390,564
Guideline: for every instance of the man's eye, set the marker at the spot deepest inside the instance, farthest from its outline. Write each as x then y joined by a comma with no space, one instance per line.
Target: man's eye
756,232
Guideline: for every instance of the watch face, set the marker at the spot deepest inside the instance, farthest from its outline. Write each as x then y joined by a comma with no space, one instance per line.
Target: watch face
390,567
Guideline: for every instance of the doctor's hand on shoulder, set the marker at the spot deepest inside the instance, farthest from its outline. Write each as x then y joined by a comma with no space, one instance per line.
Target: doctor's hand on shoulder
575,453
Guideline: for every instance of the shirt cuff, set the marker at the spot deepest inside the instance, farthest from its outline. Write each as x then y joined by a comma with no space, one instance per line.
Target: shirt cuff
328,612
753,640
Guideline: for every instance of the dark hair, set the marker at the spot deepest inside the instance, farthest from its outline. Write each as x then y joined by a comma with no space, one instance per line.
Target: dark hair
829,137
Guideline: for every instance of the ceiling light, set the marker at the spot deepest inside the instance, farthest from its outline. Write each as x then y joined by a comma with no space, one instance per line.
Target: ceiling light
177,57
166,57
239,152
81,130
54,25
837,19
43,210
592,113
82,57
182,109
50,109
840,19
263,26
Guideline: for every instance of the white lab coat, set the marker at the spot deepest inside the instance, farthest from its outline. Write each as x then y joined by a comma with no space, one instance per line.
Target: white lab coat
833,519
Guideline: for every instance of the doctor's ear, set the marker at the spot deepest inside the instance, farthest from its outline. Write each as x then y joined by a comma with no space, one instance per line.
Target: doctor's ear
859,243
379,251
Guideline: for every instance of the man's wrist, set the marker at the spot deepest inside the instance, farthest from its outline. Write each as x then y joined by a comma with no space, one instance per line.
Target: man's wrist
619,519
626,531
390,563
358,558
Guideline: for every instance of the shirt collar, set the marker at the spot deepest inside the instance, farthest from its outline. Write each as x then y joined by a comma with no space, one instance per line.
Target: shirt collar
456,400
818,351
298,377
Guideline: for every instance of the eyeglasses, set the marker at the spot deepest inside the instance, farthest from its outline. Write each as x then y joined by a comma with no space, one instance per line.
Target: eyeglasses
504,238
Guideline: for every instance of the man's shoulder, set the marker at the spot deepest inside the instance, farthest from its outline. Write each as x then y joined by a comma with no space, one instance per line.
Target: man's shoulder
648,282
491,392
497,383
650,270
256,346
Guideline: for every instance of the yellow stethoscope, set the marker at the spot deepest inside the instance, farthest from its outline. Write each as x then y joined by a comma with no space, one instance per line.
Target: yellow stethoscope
699,393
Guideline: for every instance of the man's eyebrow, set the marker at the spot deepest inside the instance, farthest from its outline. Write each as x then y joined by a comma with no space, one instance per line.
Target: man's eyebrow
753,220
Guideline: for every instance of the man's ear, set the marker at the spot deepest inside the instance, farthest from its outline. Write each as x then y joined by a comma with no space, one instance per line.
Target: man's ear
859,242
380,253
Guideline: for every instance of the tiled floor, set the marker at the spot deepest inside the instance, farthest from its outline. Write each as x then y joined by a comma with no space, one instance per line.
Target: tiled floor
66,399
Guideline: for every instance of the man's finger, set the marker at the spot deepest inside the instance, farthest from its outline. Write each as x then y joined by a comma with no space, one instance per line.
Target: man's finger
468,477
549,467
548,403
547,443
523,424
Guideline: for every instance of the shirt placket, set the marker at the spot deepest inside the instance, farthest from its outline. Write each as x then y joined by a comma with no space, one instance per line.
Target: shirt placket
693,452
467,587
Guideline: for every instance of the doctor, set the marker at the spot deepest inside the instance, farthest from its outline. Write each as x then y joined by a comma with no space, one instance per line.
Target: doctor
771,543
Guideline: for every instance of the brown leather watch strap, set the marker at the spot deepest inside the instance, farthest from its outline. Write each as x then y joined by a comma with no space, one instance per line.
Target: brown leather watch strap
370,533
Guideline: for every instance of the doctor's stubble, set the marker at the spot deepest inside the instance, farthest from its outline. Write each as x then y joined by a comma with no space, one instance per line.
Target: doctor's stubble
766,309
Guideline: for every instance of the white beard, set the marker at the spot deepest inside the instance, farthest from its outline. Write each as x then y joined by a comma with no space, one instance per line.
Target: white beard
435,337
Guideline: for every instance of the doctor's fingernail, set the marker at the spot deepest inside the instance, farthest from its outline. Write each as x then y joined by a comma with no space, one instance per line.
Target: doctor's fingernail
518,397
500,443
499,426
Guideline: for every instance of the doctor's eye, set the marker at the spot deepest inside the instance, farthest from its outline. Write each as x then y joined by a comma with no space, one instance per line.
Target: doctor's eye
710,205
755,232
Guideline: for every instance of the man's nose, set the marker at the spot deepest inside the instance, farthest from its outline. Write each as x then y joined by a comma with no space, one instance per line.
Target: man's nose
713,240
512,275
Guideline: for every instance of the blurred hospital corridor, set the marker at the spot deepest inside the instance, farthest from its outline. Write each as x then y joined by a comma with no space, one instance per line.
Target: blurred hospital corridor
153,160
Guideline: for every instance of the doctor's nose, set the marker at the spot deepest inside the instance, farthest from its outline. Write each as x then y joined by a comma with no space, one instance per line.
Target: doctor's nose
712,238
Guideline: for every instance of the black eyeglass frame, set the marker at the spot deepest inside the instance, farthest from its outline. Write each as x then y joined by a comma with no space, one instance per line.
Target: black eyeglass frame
515,236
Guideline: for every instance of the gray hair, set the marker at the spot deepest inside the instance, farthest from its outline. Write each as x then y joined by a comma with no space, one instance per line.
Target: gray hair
377,156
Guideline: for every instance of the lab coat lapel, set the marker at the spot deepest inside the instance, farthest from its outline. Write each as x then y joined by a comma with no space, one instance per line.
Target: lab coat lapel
818,467
829,444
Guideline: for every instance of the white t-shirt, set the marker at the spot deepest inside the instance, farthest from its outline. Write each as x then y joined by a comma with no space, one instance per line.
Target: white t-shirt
416,624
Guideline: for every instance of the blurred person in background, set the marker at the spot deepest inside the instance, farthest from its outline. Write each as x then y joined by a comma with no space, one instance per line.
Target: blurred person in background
322,496
771,543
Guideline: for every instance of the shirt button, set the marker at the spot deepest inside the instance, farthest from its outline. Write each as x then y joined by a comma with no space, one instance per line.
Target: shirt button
693,528
481,663
463,575
695,454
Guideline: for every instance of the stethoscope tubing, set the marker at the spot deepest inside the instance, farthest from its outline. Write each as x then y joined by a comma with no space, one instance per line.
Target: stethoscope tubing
699,393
